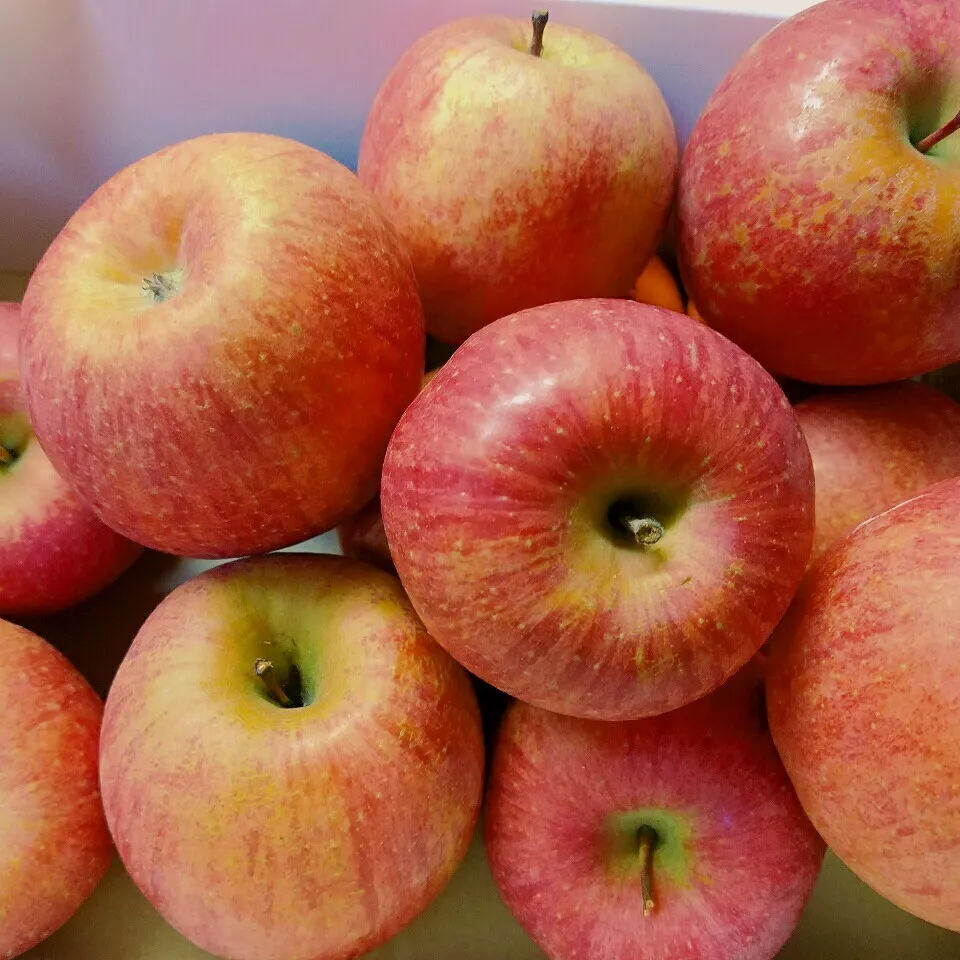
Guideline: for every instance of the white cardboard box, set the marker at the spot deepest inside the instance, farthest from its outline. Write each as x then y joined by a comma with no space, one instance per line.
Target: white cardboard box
87,86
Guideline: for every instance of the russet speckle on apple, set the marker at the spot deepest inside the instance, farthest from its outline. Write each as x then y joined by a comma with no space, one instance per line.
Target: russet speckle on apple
677,837
218,343
864,701
563,549
56,846
521,164
818,218
600,507
54,551
291,767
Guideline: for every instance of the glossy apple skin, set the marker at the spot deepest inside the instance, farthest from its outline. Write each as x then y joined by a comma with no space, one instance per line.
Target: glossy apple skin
53,835
864,701
251,409
812,232
498,480
737,857
54,552
516,180
874,447
264,833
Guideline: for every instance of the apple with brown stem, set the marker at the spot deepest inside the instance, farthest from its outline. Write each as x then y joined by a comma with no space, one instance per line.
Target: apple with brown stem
819,190
494,144
291,767
600,506
676,837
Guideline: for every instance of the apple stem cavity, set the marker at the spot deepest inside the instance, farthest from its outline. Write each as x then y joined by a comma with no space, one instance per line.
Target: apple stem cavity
6,457
264,670
647,840
539,19
931,140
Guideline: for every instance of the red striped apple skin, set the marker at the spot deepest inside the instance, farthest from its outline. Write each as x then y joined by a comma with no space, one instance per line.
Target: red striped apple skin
736,858
499,477
517,180
53,835
811,229
54,552
874,447
242,401
310,833
864,701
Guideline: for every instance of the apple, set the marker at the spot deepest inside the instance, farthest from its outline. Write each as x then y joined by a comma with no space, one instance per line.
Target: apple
873,447
218,344
864,701
362,536
599,506
54,552
818,194
675,837
54,839
291,768
521,164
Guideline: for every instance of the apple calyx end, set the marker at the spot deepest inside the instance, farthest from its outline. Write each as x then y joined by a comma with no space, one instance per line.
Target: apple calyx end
932,139
539,19
160,286
6,456
647,840
264,670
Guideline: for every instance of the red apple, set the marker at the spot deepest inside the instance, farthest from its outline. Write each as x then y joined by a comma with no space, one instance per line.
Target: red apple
362,536
219,343
817,225
54,839
864,701
600,507
291,767
874,447
54,552
675,837
519,176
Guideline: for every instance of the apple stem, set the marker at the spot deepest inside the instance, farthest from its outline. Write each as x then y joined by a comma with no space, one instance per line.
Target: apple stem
951,126
647,840
539,19
646,531
5,455
264,670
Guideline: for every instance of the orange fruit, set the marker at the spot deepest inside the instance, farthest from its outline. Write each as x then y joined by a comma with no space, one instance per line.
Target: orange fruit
657,286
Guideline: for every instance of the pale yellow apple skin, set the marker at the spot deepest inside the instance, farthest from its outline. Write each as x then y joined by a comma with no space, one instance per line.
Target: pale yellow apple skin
315,833
517,180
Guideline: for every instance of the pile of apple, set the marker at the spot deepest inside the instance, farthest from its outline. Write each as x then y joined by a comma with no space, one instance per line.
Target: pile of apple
599,507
